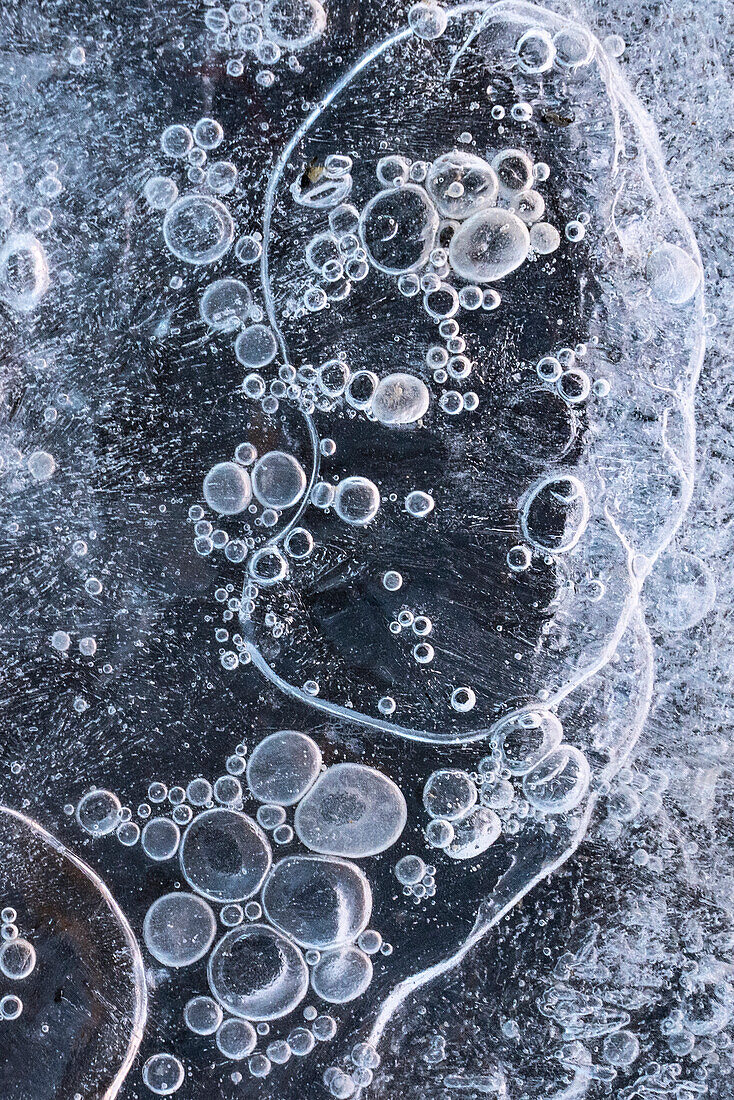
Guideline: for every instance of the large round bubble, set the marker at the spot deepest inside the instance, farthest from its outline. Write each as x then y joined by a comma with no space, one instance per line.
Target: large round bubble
278,480
283,767
352,810
17,959
227,489
179,929
398,229
318,901
256,973
198,229
224,855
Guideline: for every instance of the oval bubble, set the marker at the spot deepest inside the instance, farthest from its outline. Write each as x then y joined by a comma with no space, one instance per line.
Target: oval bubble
256,973
555,514
342,975
294,24
318,901
283,767
674,276
24,277
489,245
559,781
225,855
179,929
352,810
474,834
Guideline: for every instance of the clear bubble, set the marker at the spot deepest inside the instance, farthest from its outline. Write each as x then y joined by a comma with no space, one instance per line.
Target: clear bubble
198,229
225,305
163,1074
256,346
177,140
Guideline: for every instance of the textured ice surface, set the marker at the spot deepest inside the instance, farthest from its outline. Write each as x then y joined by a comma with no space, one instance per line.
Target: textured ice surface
366,482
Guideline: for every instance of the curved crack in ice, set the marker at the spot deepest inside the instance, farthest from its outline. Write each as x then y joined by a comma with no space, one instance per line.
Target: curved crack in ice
141,994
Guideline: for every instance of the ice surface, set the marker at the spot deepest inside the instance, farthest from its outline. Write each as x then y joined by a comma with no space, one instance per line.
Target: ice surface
366,542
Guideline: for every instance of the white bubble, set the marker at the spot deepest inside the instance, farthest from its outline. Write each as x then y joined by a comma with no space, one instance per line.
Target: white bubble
535,51
410,870
160,839
267,566
558,781
574,47
398,229
17,959
60,640
400,399
160,192
419,504
208,133
179,929
356,501
202,1015
474,834
342,975
236,1039
674,276
524,739
449,794
198,229
278,480
283,767
544,238
352,810
460,184
227,488
177,140
427,20
489,245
